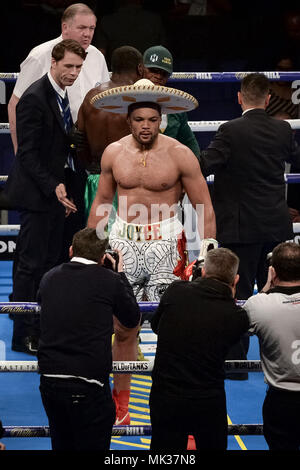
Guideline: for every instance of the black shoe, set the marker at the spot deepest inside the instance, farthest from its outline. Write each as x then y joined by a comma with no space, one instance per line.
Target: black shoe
28,345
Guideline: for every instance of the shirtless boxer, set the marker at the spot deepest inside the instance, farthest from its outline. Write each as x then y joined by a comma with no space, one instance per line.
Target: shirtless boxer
150,171
100,127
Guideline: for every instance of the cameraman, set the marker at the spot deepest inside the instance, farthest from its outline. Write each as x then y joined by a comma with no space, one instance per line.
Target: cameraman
196,324
79,301
274,316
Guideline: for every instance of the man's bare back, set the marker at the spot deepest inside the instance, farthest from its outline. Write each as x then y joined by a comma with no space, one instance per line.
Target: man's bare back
100,127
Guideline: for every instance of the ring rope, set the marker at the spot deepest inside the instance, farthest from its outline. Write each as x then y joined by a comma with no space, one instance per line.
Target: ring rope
34,307
196,126
212,126
289,178
44,431
128,367
199,76
14,229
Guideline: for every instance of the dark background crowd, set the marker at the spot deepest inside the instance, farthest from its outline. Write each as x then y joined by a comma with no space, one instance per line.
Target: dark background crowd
226,35
202,36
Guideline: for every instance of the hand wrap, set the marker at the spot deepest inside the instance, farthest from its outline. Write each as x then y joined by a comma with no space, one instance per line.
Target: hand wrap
193,270
206,245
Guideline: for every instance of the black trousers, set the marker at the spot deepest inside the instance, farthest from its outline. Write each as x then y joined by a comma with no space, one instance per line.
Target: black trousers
253,268
281,417
253,265
75,187
38,250
174,418
80,414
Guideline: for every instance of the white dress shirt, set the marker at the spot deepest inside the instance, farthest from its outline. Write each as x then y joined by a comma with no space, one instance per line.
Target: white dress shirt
38,62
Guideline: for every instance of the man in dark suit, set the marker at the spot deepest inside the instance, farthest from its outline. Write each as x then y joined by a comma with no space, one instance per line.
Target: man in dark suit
247,158
80,303
36,185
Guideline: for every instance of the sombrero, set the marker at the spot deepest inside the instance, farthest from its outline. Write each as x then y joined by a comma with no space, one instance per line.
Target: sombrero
117,100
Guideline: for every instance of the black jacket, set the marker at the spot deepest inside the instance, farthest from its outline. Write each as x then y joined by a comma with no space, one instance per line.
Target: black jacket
78,302
197,323
247,157
43,148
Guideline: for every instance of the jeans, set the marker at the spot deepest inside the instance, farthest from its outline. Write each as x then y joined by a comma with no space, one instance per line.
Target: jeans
81,415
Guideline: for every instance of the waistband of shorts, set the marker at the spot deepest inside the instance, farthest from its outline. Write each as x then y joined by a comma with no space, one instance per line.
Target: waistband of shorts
161,230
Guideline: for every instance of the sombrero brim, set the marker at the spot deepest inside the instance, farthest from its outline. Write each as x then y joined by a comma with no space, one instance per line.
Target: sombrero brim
117,100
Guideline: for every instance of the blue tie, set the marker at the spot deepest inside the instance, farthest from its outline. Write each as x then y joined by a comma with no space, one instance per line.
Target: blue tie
67,113
68,122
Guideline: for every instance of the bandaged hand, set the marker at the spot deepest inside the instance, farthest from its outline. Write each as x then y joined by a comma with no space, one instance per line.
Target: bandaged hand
193,270
206,245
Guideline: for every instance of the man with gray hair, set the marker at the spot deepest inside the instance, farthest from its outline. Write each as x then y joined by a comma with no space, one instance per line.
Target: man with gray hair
274,316
197,323
78,22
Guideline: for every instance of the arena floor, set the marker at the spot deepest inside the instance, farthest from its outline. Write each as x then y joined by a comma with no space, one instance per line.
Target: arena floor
20,403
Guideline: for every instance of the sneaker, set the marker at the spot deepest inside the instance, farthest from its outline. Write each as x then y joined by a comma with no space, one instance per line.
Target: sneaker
191,443
123,420
122,413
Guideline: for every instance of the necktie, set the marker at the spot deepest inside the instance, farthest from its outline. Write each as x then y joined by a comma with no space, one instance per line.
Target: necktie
68,122
67,113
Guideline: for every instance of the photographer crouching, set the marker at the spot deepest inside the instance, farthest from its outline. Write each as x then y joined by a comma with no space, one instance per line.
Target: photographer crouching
82,303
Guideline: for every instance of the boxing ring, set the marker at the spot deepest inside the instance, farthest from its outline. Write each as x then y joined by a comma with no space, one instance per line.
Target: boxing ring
141,370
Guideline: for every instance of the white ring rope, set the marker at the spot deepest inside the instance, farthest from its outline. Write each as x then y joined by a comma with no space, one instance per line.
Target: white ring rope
14,229
128,367
288,178
196,126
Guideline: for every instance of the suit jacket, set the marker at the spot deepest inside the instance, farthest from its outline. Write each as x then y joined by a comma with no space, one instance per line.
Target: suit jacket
247,157
42,149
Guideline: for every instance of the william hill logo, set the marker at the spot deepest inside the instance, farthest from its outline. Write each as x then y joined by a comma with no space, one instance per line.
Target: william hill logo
154,58
166,60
